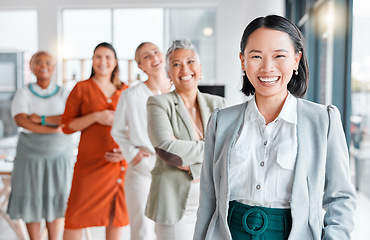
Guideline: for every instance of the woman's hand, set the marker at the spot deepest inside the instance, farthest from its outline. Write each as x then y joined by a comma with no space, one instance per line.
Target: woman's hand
185,168
140,155
58,129
105,117
115,156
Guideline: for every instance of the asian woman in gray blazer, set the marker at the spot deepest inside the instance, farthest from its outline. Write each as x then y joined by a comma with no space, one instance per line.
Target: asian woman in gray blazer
273,163
176,124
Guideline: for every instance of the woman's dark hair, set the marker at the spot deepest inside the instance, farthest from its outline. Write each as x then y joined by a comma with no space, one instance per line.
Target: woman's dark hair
115,74
299,83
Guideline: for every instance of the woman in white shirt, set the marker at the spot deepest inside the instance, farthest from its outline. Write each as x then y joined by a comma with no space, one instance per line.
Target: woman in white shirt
129,130
43,164
272,163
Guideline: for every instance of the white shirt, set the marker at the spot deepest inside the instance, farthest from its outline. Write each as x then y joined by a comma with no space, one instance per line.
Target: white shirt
130,129
263,157
27,101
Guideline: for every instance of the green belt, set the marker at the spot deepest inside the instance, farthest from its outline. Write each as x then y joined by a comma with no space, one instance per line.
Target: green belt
255,220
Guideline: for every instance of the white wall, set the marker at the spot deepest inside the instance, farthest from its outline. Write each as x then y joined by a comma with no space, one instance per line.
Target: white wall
232,16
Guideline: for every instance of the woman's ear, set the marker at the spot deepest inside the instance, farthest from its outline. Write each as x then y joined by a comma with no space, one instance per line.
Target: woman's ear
200,72
242,61
139,66
297,58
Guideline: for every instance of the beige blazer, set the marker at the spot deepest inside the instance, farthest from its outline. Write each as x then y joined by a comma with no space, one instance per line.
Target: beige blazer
171,133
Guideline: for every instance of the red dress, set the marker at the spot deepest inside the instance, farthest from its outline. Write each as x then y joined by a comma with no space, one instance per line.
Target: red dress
97,186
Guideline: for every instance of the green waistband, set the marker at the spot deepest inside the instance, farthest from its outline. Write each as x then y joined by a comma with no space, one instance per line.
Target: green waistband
274,211
256,220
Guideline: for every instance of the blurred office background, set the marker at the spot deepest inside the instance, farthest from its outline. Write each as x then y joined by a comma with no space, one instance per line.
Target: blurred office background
336,33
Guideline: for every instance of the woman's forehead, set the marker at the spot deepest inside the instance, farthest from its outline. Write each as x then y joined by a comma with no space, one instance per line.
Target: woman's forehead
268,39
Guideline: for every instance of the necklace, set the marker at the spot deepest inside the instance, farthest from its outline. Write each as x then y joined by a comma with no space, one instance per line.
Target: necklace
30,86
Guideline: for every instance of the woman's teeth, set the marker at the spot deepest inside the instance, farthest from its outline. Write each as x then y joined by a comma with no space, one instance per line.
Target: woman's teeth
268,80
186,78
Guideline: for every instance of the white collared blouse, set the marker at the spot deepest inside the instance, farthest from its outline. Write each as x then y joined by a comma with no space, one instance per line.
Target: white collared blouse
263,157
129,129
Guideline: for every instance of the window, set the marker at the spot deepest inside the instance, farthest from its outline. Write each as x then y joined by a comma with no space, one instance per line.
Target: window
82,31
131,27
126,28
20,29
18,41
360,117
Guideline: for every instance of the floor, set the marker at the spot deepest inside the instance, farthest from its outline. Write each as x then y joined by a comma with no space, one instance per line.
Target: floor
97,233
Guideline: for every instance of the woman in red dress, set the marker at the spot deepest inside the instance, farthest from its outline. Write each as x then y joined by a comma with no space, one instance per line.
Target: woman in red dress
97,196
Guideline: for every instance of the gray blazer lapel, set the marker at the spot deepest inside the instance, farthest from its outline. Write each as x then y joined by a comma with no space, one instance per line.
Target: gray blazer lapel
204,110
183,114
300,179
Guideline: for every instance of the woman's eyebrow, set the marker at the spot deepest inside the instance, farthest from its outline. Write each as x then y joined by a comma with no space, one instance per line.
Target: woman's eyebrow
258,51
254,51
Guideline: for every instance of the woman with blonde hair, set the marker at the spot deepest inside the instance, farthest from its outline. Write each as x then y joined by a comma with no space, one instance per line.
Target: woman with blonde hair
44,158
129,130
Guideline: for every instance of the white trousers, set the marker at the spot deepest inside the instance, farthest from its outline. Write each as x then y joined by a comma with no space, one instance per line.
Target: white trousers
184,229
137,187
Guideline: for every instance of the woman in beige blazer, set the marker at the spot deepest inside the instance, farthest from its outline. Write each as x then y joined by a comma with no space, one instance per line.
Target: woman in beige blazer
176,124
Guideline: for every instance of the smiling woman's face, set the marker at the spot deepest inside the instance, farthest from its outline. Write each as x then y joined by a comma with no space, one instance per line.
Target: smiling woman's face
184,70
269,60
104,61
43,67
150,58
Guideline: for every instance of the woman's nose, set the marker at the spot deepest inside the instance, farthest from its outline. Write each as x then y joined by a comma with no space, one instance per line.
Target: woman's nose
184,67
267,65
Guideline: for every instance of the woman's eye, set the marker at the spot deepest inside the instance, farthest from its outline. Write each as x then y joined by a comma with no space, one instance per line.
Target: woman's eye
146,56
176,64
280,56
191,61
256,56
